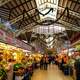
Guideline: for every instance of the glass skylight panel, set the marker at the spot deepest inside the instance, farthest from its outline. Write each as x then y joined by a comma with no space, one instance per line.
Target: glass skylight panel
42,1
52,1
49,39
50,44
52,29
49,0
45,5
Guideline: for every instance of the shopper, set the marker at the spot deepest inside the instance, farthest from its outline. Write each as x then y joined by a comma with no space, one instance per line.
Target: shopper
41,63
56,59
77,69
27,75
9,69
62,64
50,59
53,59
45,62
65,58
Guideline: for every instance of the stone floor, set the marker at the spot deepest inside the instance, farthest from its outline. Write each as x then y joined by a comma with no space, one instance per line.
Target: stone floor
53,73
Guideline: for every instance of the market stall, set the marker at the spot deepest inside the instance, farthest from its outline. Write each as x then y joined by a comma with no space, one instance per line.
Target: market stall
21,60
65,61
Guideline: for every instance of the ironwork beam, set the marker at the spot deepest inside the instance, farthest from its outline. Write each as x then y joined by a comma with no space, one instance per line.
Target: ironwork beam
3,2
69,26
26,29
78,1
70,12
19,17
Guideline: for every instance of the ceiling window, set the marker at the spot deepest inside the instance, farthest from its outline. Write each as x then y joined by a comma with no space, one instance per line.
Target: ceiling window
45,5
52,29
49,39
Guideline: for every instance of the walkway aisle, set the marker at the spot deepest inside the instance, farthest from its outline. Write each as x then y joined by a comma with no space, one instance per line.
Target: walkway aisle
53,73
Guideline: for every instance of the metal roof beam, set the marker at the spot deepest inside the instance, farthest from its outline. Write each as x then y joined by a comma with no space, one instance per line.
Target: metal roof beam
69,25
19,17
70,12
60,8
3,2
76,1
26,29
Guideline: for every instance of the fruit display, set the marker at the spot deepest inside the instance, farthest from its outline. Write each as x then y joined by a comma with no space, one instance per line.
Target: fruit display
21,61
17,66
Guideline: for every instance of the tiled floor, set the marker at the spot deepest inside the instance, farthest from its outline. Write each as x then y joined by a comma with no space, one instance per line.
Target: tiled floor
53,73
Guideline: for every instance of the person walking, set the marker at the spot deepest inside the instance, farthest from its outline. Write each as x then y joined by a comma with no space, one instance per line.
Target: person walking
41,63
9,69
45,62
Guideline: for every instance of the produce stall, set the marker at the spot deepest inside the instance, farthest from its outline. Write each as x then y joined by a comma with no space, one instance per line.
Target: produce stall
37,58
66,62
8,52
76,69
21,60
69,62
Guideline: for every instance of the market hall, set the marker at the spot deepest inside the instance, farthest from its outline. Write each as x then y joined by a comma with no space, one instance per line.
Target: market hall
39,39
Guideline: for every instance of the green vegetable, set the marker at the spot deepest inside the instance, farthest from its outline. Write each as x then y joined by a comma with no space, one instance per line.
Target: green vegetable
17,66
3,73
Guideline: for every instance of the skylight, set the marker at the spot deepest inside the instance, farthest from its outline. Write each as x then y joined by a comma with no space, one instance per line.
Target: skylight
50,45
52,29
45,5
49,39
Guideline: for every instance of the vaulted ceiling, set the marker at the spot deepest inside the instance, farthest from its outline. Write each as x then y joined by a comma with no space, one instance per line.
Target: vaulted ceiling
20,13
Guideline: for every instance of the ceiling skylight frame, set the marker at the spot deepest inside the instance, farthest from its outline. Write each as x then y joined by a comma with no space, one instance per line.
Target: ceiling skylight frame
44,6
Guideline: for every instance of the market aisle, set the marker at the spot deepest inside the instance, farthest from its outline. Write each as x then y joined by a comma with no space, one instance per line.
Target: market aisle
53,73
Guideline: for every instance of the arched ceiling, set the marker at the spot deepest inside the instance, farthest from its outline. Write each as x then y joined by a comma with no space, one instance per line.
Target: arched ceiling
13,11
